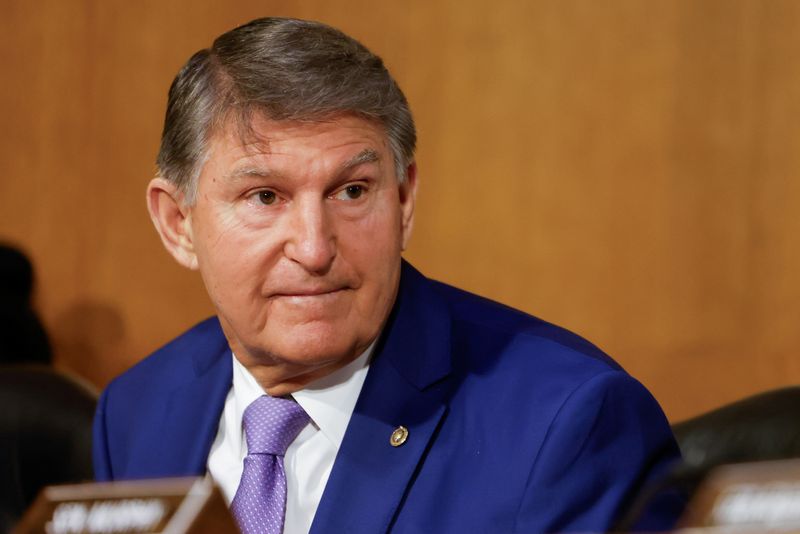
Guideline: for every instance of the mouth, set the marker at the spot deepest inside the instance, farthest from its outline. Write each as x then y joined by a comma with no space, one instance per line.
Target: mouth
308,294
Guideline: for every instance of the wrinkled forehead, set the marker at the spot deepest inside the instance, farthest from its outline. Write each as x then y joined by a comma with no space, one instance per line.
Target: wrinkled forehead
253,130
338,141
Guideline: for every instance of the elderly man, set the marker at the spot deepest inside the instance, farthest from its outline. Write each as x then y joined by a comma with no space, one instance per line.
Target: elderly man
338,389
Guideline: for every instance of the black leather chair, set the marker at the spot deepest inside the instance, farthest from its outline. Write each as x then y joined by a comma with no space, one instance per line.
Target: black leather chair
762,427
757,428
45,435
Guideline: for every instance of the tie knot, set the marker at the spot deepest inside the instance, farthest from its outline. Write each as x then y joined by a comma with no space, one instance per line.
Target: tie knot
271,424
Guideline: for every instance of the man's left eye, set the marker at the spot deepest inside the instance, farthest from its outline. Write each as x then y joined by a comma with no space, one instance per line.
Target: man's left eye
351,192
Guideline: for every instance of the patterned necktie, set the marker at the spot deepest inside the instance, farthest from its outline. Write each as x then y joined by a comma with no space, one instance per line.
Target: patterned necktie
270,425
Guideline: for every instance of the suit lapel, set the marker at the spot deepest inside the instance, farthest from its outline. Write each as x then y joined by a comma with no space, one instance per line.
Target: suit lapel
370,476
192,413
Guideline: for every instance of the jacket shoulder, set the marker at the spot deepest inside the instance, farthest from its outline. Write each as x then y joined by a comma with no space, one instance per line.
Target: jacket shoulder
149,422
184,357
480,321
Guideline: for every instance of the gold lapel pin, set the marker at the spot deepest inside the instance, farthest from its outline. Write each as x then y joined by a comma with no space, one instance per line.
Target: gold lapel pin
399,436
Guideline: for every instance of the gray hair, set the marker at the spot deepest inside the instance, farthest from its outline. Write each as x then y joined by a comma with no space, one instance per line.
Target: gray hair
286,69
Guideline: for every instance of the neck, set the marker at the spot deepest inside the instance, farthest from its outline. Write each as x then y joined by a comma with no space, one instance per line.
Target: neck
279,377
281,380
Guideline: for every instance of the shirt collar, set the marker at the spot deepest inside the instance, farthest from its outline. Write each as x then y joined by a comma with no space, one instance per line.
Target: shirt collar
329,401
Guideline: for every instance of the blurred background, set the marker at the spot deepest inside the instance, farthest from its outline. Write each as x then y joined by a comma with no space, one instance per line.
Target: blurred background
627,169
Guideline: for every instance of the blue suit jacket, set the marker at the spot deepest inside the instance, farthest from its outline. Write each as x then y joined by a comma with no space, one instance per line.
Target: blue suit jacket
514,425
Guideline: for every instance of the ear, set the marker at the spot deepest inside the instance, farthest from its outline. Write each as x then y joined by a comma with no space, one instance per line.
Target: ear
408,197
172,219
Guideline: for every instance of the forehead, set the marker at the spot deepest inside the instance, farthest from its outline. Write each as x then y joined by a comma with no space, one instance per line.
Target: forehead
342,136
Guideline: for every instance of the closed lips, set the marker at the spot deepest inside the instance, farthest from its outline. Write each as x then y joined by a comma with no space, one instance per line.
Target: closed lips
308,292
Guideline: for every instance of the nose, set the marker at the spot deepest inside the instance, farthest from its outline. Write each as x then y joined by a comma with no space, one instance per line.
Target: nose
311,242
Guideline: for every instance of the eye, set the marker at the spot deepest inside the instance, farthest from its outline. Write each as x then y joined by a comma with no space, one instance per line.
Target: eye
267,197
351,192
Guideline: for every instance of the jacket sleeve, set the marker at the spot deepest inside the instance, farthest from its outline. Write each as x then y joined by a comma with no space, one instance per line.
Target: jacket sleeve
608,440
100,453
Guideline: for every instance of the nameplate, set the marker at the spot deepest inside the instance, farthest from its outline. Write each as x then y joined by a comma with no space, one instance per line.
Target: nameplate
174,506
762,496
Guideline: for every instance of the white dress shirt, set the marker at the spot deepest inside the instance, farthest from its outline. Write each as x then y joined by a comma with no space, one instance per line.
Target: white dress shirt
329,402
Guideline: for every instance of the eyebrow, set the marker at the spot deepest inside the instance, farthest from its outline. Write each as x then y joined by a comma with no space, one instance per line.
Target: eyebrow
368,155
248,172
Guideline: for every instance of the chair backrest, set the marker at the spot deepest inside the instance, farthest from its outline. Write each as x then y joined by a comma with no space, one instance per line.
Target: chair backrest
758,428
45,435
762,427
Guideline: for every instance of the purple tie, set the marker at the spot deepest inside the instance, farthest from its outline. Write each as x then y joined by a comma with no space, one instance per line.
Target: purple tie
270,425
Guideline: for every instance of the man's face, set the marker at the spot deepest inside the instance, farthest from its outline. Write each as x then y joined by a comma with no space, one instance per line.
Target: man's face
298,238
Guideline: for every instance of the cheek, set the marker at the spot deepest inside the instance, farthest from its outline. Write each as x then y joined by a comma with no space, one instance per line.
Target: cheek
373,250
234,261
373,246
378,233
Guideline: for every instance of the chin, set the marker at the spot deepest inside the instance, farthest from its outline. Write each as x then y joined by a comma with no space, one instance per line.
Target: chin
313,345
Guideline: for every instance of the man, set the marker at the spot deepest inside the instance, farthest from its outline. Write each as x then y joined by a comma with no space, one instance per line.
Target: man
287,178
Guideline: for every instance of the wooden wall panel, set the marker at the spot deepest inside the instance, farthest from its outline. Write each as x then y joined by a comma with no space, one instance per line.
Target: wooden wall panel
627,169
